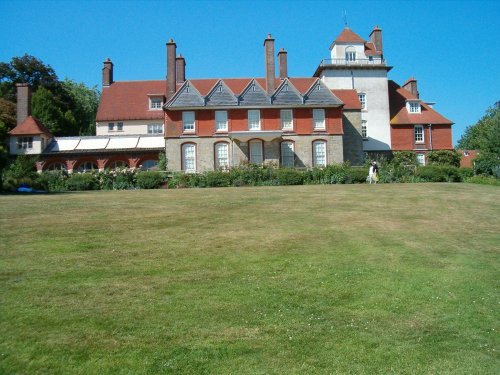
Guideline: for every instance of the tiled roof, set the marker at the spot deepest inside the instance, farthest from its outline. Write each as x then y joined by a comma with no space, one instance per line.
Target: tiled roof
128,100
400,115
348,36
30,126
349,97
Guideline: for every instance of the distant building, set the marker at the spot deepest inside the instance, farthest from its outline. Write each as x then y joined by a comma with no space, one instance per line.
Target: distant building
347,108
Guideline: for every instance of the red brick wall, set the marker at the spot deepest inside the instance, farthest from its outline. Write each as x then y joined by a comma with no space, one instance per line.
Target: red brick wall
402,138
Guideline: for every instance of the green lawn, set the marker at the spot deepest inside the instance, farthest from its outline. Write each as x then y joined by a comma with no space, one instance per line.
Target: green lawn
337,279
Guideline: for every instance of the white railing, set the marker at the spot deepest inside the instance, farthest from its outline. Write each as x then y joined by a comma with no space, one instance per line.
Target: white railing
352,62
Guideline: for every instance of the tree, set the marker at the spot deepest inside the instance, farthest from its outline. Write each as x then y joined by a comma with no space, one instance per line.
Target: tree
476,136
84,104
45,107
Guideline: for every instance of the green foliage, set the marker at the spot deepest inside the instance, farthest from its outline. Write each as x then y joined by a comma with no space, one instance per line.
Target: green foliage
483,180
53,181
46,108
435,173
444,157
124,179
149,179
82,181
476,137
356,175
401,158
84,104
162,161
218,179
289,176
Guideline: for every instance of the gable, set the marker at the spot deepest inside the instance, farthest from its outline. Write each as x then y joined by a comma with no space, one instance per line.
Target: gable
287,94
187,96
319,94
220,95
254,95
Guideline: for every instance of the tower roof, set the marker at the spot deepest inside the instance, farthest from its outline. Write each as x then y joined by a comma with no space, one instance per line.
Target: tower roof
30,126
348,36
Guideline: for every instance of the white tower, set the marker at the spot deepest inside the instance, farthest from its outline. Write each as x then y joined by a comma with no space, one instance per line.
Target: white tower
360,65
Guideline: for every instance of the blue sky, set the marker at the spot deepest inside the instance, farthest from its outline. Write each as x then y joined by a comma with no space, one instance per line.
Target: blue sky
451,47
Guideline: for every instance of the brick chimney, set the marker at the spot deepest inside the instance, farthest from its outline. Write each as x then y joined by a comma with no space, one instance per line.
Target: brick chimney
23,101
107,73
269,61
171,68
376,39
411,87
180,66
282,61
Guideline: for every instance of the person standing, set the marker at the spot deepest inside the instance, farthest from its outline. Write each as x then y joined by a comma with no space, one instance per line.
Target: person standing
373,173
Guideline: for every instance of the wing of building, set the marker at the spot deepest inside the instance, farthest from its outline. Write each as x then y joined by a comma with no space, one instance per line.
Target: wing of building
348,108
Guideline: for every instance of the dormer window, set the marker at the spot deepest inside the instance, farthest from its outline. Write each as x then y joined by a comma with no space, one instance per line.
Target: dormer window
413,106
350,54
155,102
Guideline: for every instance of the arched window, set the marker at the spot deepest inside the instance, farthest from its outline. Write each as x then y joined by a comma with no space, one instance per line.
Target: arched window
319,153
287,154
189,157
221,156
149,165
57,166
256,151
118,164
87,166
350,53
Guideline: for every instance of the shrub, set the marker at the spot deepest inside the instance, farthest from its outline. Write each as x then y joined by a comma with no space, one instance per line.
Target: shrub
487,164
483,180
81,181
149,180
401,158
53,181
289,176
434,173
218,179
123,179
444,157
356,175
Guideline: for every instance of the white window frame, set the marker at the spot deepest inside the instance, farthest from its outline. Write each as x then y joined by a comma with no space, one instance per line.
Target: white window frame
221,155
420,159
188,160
25,143
418,134
362,100
253,119
414,107
155,103
319,122
350,53
286,117
252,154
287,149
319,155
221,123
364,130
188,122
155,128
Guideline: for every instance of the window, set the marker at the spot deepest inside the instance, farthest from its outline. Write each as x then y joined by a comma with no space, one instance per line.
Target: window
286,119
350,54
87,166
256,152
466,153
155,102
119,126
118,164
319,153
319,119
363,129
419,133
414,107
188,122
148,165
287,154
221,155
111,126
189,158
253,119
221,121
155,128
25,143
362,100
420,159
57,167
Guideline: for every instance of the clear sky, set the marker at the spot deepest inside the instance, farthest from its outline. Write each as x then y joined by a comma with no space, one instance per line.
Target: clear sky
451,47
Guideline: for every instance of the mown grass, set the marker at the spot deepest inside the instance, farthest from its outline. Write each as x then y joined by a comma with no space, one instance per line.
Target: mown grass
338,279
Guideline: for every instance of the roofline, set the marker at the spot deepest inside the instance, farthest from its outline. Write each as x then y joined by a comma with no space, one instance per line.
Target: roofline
320,68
